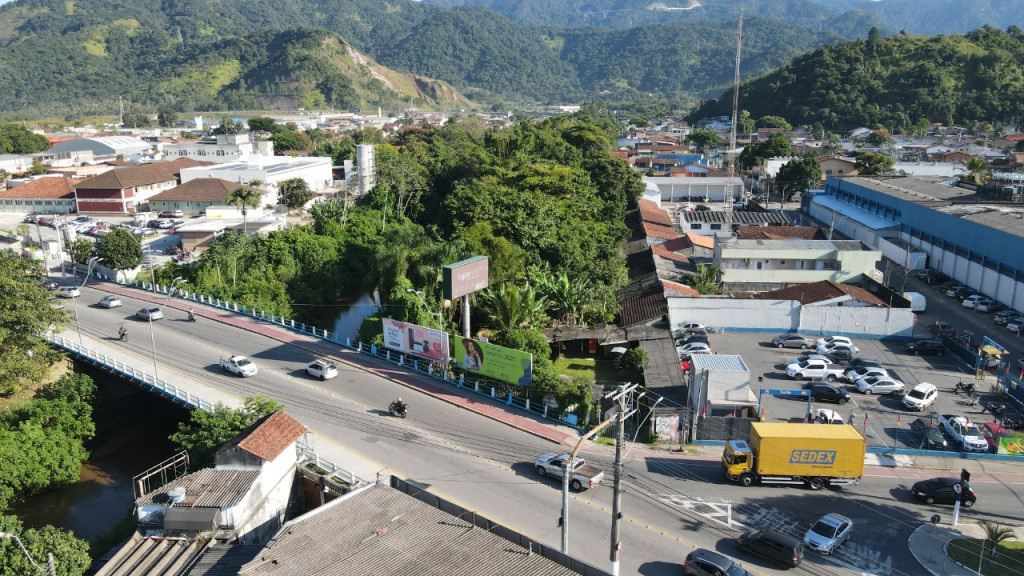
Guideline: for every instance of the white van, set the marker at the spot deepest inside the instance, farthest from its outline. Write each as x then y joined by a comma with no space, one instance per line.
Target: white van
917,301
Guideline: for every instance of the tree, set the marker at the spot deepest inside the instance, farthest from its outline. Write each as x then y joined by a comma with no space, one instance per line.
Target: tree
512,306
994,533
263,124
798,175
248,196
38,168
4,175
745,124
119,250
295,193
637,359
82,250
704,139
774,122
879,137
873,163
70,555
208,431
229,125
25,312
977,171
706,280
16,139
166,117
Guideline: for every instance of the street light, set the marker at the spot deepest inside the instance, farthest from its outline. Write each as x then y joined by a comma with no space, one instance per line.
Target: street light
419,295
10,536
74,299
152,335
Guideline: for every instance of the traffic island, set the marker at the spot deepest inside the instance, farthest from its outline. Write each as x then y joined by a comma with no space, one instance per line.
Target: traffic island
1003,559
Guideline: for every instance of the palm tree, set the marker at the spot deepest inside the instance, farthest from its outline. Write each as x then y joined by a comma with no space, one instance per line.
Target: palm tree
706,280
248,195
977,171
510,306
994,533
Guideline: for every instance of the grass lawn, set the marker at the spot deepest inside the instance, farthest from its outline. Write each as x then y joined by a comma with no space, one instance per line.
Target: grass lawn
601,371
1009,562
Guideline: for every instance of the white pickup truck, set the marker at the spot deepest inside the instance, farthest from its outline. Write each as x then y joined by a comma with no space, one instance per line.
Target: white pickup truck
814,369
239,365
965,432
583,475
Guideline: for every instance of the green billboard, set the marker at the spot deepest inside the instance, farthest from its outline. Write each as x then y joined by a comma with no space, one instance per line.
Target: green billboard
505,364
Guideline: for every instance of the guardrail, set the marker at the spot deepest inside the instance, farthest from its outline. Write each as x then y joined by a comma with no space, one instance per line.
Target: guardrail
140,377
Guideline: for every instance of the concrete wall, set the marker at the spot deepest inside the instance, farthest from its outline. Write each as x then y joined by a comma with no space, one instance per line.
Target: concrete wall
787,315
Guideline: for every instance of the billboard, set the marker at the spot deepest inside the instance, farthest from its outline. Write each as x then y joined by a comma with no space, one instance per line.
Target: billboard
506,364
465,277
416,340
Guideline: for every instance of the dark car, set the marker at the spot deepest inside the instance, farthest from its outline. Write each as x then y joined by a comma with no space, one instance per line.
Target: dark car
772,545
862,362
942,491
926,347
828,393
931,436
693,337
841,354
703,562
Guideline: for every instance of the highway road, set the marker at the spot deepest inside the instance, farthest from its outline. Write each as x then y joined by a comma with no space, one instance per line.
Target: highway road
671,503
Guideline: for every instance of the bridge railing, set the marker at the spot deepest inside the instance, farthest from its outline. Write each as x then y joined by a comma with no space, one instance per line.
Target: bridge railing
140,377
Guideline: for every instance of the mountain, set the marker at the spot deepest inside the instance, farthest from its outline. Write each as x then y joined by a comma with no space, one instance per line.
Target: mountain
898,82
929,17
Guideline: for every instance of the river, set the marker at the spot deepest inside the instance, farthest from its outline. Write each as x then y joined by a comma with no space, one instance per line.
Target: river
132,435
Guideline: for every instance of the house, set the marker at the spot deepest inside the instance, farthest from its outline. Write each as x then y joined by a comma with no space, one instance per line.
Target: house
825,293
15,163
686,189
714,222
128,190
194,196
43,195
837,167
757,265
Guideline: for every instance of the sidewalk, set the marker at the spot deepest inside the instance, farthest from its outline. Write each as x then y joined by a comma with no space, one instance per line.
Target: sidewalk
928,545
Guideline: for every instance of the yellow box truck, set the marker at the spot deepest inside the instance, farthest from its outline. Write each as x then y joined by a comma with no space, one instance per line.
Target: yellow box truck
784,453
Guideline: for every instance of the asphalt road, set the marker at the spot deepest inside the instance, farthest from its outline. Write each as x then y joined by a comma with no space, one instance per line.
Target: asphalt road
671,503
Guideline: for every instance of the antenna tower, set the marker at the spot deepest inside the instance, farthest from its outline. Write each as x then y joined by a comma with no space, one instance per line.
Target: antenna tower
728,197
120,111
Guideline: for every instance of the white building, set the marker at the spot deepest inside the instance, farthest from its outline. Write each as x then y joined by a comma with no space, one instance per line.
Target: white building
224,148
315,170
684,189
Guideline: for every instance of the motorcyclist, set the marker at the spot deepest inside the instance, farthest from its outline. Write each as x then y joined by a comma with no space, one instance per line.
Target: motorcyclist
122,333
191,315
399,406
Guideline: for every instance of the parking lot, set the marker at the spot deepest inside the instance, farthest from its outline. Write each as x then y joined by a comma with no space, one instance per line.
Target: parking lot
883,418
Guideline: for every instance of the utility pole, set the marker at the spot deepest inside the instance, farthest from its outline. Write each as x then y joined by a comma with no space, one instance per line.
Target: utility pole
625,391
568,467
727,196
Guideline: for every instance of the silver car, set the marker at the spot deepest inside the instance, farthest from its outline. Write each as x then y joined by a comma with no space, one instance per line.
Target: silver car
150,313
793,341
880,385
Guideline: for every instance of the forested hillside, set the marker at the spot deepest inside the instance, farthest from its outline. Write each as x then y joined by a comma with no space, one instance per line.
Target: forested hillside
894,81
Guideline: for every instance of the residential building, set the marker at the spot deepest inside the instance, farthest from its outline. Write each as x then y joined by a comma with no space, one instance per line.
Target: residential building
15,164
686,189
714,222
43,195
831,166
222,148
754,265
128,190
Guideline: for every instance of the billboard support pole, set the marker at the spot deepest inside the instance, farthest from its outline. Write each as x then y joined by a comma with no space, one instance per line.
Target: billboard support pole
465,317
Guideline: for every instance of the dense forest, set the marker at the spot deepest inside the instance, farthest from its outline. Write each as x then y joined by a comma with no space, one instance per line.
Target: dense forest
895,82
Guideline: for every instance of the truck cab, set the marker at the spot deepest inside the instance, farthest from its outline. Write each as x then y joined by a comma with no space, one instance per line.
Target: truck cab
737,459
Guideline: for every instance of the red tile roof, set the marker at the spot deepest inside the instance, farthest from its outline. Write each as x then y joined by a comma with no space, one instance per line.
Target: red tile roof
702,241
199,190
820,292
651,212
46,187
677,287
660,231
132,176
663,251
269,437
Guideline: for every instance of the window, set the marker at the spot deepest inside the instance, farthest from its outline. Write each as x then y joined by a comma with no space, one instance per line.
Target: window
182,153
828,172
716,226
695,226
828,265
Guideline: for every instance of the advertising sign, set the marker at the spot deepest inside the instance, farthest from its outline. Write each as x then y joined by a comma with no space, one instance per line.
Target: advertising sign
465,277
505,364
416,340
1011,445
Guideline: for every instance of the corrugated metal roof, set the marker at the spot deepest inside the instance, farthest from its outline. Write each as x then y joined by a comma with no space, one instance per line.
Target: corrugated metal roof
192,519
208,487
862,217
384,531
719,362
793,244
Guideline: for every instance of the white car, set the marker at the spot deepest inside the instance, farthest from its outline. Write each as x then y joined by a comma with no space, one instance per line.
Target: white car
322,368
110,301
965,432
828,533
921,397
880,385
69,292
692,348
828,348
835,340
828,416
690,326
858,373
972,300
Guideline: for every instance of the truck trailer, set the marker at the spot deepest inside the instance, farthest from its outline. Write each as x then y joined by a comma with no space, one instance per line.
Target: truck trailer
797,453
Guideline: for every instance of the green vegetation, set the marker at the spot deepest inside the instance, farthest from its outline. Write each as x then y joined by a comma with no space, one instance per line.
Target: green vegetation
15,139
119,250
24,313
895,82
208,431
1009,562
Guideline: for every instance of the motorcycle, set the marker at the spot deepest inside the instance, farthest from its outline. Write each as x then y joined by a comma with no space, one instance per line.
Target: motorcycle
399,409
191,316
123,335
996,409
961,387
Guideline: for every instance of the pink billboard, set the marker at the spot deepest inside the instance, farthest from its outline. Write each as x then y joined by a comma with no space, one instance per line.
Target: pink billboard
416,340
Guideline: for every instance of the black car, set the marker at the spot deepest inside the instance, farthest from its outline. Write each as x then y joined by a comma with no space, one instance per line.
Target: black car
828,393
703,562
926,347
931,436
693,337
840,355
942,491
862,362
782,549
